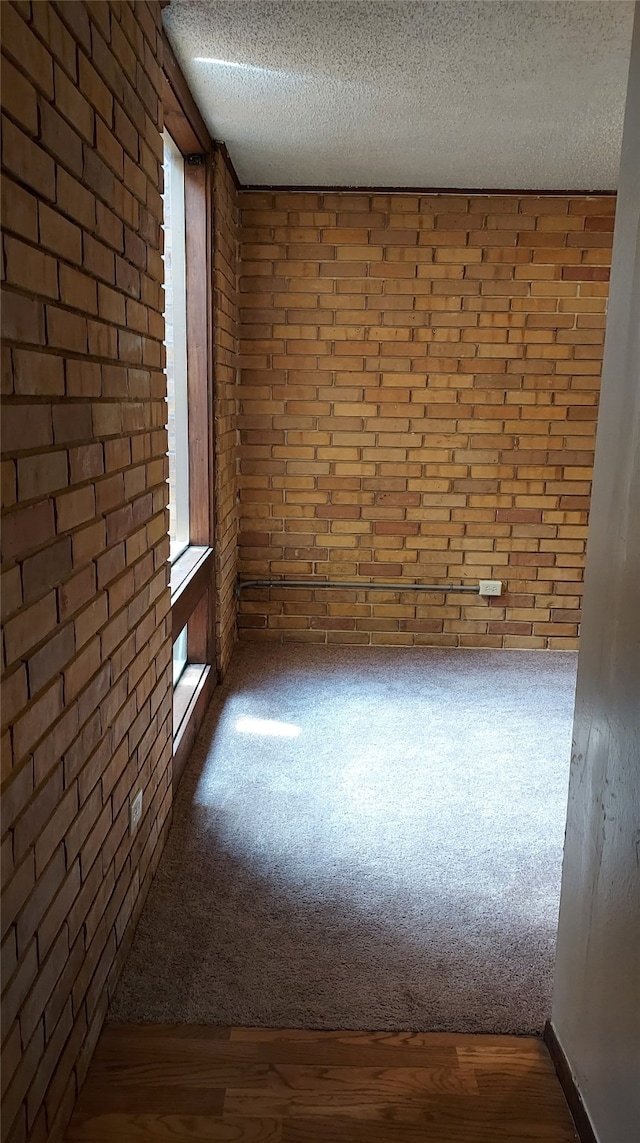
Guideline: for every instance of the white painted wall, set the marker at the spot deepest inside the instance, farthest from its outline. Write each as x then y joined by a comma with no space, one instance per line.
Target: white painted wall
596,1007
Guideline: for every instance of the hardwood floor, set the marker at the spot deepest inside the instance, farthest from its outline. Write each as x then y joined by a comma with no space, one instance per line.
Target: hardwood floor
188,1084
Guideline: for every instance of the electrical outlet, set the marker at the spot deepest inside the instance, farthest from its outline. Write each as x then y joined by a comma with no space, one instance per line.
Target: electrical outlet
135,812
490,587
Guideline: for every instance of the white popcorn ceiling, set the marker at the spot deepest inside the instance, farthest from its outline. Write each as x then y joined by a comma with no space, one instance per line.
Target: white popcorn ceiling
521,94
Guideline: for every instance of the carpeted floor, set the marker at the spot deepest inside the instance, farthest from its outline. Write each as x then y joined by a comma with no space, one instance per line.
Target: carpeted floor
364,838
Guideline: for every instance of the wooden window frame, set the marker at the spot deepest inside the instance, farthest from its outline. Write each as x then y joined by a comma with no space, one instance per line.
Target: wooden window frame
192,573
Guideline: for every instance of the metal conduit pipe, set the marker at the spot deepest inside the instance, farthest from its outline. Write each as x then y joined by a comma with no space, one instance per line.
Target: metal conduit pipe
354,585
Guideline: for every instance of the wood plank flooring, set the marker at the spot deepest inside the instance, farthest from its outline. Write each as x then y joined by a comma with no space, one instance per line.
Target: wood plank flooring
187,1084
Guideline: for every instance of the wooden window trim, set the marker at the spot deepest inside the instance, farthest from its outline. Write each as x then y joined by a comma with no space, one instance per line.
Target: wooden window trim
199,341
192,574
182,119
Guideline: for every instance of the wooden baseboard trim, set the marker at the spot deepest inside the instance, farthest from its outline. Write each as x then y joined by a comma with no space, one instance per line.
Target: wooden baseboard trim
572,1095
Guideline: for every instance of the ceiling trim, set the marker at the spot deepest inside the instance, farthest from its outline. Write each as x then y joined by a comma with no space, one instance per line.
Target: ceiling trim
523,192
286,188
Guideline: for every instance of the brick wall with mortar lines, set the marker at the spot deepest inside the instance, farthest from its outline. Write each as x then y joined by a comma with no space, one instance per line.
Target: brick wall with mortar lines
225,334
86,646
418,401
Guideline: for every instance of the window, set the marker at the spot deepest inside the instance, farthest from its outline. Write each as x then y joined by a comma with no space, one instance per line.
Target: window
179,656
188,194
176,346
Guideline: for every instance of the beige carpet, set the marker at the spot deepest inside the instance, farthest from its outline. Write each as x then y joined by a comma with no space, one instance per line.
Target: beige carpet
364,838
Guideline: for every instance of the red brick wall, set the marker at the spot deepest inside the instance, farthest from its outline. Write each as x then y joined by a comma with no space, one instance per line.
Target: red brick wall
225,334
418,401
86,648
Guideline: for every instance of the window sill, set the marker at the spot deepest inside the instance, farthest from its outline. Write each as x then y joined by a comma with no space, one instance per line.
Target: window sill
184,694
191,697
176,550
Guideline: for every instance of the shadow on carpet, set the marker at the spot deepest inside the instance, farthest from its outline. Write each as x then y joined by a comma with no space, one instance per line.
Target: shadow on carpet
364,839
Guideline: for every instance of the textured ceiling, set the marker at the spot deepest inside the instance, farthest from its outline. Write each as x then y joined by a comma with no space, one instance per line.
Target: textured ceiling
427,93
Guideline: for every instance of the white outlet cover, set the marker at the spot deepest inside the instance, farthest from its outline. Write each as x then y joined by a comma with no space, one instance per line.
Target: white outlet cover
490,587
135,811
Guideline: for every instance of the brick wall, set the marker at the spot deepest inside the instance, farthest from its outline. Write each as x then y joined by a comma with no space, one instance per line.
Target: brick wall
418,401
225,333
86,649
